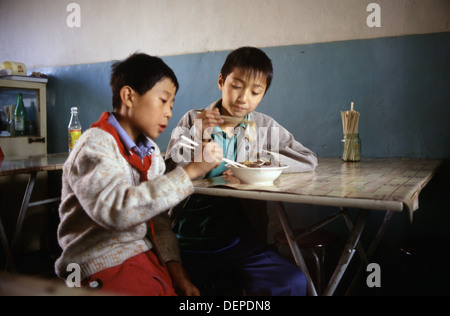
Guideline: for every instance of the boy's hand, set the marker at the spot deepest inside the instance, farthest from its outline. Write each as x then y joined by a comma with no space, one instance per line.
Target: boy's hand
181,282
228,172
212,155
209,119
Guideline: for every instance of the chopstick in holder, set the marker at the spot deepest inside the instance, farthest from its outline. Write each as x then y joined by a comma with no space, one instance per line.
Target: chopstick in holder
350,121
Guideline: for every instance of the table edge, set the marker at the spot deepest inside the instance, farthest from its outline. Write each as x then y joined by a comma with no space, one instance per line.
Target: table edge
397,206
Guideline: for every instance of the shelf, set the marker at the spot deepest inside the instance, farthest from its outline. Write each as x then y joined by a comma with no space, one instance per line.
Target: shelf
34,97
25,78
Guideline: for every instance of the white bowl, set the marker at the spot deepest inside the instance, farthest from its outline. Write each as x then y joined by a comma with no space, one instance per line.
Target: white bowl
259,175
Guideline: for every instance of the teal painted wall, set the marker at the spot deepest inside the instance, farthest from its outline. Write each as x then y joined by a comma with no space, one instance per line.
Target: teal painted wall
400,85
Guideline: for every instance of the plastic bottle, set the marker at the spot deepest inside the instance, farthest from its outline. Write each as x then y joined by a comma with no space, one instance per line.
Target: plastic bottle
74,128
20,117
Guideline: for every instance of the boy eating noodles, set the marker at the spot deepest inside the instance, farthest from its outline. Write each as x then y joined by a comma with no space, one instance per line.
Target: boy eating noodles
115,194
215,233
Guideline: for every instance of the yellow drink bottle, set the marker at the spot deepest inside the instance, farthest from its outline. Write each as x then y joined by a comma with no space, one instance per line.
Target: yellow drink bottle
74,128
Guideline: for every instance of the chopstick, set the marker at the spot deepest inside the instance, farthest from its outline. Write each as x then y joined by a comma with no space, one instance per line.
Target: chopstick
250,126
234,163
227,118
191,142
232,119
187,145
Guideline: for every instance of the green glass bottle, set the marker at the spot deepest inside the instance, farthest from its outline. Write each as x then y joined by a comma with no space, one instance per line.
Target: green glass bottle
20,117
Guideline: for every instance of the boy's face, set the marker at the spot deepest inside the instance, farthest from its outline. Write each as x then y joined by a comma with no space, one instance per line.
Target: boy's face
241,92
150,113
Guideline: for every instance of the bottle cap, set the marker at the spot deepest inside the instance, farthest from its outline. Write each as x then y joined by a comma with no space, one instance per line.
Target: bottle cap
74,109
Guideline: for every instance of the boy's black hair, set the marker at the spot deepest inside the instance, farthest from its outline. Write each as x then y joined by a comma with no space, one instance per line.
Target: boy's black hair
141,72
251,60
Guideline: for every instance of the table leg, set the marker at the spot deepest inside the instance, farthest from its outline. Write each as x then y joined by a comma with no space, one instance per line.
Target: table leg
5,245
294,247
23,208
373,246
348,251
359,246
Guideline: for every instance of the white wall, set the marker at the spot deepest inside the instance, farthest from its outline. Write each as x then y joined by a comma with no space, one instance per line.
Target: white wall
36,32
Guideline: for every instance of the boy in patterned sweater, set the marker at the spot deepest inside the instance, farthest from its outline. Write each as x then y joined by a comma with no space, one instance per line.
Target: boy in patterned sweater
115,194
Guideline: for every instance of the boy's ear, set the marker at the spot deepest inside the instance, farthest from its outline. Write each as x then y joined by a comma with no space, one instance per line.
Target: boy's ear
126,95
220,82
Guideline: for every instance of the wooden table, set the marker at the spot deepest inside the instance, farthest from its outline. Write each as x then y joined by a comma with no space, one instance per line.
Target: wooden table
389,185
31,165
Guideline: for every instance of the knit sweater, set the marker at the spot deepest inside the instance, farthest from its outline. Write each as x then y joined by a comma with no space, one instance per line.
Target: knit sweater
105,210
283,147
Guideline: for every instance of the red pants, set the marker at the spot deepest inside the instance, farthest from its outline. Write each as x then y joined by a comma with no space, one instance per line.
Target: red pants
141,275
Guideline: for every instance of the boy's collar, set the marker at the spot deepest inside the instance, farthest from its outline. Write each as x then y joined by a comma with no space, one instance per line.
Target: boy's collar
143,147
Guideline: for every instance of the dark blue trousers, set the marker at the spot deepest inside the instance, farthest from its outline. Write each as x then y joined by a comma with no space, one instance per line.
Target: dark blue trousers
248,264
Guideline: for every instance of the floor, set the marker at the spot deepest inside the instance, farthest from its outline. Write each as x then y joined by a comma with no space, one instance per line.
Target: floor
403,275
421,268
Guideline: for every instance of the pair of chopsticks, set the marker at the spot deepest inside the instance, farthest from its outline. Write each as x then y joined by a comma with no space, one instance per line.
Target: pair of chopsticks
234,163
228,119
250,126
192,144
